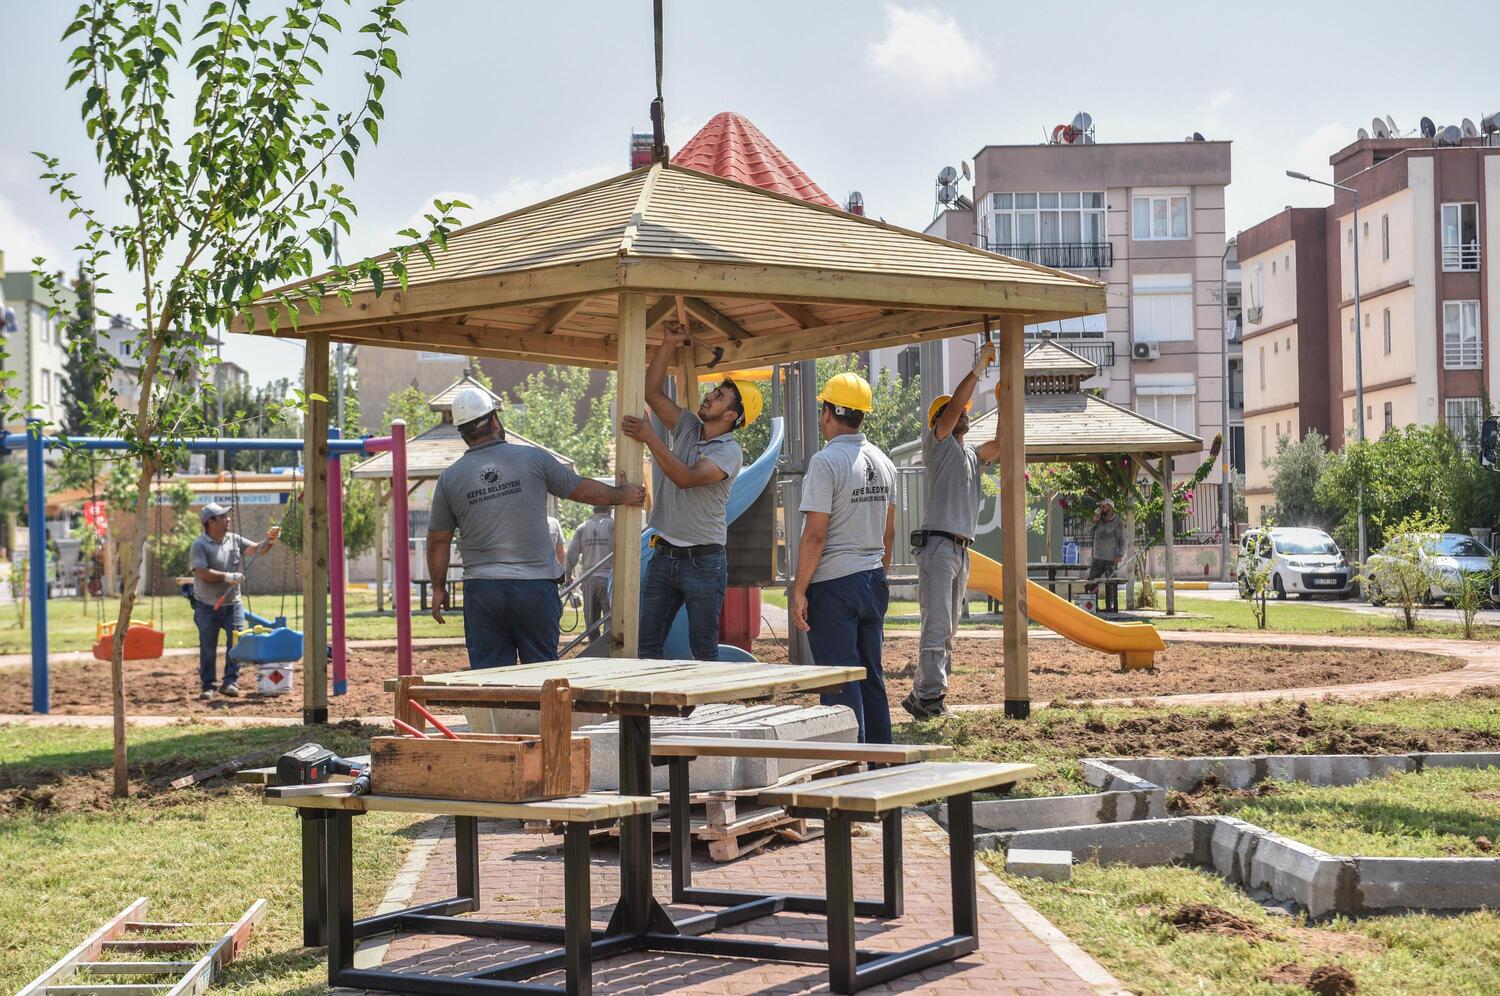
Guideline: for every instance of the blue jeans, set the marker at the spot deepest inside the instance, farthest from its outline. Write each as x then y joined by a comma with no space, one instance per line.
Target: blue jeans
504,619
846,617
211,622
699,582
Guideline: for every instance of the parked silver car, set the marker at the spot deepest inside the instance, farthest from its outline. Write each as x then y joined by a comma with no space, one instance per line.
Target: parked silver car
1304,562
1446,557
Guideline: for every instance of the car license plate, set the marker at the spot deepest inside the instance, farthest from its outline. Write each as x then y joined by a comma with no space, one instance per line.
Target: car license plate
1326,582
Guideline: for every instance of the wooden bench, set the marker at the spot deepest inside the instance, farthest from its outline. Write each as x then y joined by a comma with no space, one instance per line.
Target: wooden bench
678,752
580,943
868,797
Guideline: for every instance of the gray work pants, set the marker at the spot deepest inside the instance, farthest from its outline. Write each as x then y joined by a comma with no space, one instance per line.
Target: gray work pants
942,580
595,591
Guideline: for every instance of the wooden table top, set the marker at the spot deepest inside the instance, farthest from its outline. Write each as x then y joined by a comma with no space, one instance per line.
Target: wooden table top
890,788
571,809
619,681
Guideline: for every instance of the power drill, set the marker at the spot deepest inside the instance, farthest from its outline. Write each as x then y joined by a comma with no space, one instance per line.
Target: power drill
311,764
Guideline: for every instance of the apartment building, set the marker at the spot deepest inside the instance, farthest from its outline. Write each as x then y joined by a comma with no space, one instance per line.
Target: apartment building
37,350
1427,299
1147,219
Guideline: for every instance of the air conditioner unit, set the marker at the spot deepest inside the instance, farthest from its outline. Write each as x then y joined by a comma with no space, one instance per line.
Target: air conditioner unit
1252,315
1145,351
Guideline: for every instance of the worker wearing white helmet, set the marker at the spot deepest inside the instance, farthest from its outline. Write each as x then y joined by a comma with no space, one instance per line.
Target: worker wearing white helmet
495,497
694,472
840,593
954,481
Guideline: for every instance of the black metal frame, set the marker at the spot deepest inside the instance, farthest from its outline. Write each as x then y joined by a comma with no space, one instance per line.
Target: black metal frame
639,922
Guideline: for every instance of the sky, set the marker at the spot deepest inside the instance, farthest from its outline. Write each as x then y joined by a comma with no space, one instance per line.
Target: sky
504,103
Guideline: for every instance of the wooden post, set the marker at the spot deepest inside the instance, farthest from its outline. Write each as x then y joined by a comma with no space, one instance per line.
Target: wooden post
315,533
1012,416
1170,527
630,390
687,395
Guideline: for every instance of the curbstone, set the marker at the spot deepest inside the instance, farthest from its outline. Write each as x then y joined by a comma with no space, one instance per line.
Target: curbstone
1437,884
1067,810
1050,866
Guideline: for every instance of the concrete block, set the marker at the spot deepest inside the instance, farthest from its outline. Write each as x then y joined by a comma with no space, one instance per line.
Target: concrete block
1106,777
1142,843
1065,810
1437,884
1458,759
1336,769
1051,866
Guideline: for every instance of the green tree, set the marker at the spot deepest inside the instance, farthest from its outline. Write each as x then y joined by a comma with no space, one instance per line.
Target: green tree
1296,469
223,166
897,414
545,412
80,391
1411,470
411,405
1404,571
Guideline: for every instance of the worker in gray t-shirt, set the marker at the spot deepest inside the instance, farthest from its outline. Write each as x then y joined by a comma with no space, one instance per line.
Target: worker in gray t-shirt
954,490
839,595
495,498
592,542
695,468
217,559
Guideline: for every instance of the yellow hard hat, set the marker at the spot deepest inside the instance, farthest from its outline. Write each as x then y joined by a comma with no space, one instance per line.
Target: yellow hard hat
937,406
848,390
751,400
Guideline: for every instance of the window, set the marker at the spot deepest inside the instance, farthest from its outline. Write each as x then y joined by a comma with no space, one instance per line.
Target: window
909,363
39,319
1263,454
46,386
1162,307
1461,236
1159,216
1462,416
1049,218
1168,398
1273,268
1262,368
1388,331
1461,335
1275,347
62,388
1385,236
1390,418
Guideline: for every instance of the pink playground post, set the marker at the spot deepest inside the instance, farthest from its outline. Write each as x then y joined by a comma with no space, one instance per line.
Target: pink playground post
336,575
402,554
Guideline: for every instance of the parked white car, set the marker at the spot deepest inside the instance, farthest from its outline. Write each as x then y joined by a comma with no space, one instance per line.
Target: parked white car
1303,562
1445,558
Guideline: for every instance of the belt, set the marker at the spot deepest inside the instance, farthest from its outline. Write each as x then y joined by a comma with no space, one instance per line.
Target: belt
680,552
960,540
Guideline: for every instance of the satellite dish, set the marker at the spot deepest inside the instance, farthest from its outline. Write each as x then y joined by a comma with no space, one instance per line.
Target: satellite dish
1083,121
1450,135
1198,137
1490,123
1427,128
1469,130
855,204
1363,135
964,167
1391,124
947,175
947,194
1379,128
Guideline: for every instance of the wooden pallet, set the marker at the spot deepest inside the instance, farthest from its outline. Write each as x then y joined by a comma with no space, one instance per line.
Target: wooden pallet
85,970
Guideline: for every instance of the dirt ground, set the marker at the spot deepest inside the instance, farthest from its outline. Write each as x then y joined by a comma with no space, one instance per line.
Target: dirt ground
1059,670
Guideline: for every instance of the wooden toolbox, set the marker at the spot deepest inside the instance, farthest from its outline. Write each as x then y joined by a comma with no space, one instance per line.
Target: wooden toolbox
484,767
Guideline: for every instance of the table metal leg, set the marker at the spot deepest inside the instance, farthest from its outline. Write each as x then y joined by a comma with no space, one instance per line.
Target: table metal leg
466,854
577,911
314,824
340,851
838,860
891,866
682,836
961,865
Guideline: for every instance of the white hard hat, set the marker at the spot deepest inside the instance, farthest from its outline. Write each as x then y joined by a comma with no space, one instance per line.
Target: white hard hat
471,403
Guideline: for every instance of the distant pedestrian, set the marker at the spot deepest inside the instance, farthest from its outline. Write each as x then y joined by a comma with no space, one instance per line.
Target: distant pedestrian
1109,543
593,541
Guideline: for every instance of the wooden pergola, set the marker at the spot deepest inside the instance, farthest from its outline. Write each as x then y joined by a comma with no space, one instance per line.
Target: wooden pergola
589,279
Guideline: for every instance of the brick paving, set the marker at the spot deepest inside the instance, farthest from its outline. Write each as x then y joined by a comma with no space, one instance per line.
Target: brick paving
521,878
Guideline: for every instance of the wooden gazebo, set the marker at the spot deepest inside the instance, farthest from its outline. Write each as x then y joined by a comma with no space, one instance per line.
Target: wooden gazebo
589,278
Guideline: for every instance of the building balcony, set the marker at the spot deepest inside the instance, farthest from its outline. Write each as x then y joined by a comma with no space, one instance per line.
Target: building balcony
1062,255
1464,257
1100,352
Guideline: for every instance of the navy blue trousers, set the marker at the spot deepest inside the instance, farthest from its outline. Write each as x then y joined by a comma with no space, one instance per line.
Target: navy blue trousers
846,617
506,619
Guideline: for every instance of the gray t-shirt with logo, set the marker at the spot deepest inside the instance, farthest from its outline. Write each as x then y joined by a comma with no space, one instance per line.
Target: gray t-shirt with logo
694,516
955,485
495,495
854,483
592,542
228,555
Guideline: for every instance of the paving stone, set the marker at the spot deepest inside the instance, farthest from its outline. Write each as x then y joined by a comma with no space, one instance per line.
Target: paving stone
1052,866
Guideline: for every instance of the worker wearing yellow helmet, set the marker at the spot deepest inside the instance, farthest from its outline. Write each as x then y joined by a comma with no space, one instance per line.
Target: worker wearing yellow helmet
953,478
694,468
840,594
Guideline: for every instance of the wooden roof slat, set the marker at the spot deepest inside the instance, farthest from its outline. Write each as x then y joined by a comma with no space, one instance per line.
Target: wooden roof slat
708,314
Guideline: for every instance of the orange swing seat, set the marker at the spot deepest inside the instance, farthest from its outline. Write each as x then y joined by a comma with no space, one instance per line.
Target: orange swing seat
143,641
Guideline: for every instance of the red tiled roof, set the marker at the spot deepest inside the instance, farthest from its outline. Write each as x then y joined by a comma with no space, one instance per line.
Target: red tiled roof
732,147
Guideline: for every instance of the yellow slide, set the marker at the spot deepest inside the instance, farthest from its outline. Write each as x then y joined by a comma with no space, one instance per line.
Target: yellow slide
1136,643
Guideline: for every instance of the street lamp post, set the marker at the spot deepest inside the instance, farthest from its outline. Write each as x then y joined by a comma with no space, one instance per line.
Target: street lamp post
1226,496
1359,335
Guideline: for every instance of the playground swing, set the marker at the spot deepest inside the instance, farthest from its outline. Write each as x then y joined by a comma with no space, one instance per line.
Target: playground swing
143,640
268,641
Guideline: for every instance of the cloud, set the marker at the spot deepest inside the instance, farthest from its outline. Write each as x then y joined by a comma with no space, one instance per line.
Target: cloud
20,241
1311,154
927,49
1217,101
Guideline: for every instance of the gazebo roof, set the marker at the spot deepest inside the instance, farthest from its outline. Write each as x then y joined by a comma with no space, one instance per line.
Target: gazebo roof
433,452
730,145
1080,426
1049,357
443,400
757,276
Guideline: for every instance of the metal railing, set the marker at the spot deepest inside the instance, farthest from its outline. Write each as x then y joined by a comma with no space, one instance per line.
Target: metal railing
1063,255
1464,257
1101,354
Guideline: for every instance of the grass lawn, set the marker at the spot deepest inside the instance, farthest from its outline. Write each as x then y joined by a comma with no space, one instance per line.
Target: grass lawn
1122,916
72,626
1306,617
73,857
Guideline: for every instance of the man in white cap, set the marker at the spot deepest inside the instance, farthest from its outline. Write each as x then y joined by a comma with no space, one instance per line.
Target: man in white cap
954,477
1109,542
217,559
495,497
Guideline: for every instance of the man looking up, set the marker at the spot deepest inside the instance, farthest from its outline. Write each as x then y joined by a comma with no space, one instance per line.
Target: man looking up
951,518
495,496
217,558
693,475
840,595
